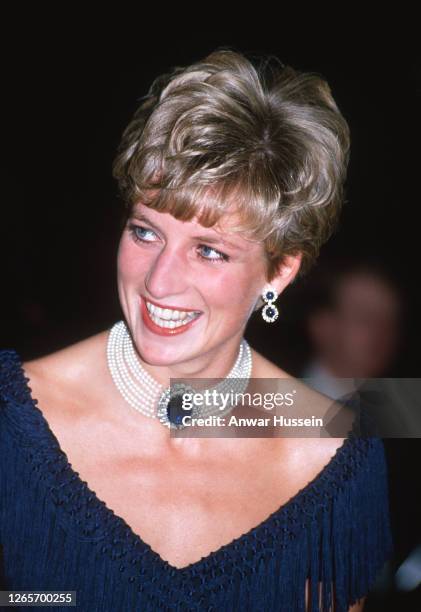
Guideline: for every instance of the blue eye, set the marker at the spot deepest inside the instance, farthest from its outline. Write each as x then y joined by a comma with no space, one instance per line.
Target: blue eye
138,232
217,255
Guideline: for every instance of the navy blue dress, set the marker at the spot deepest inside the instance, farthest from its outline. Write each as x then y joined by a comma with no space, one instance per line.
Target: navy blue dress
56,534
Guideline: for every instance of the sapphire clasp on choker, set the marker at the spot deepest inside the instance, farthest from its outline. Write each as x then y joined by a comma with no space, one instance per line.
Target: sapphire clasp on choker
171,406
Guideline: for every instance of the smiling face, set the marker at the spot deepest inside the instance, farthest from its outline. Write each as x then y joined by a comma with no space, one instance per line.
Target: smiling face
186,291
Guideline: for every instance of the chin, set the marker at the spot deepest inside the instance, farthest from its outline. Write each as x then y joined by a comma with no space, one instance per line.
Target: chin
155,358
159,352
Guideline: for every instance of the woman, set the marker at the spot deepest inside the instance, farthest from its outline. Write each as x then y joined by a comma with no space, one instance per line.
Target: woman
232,175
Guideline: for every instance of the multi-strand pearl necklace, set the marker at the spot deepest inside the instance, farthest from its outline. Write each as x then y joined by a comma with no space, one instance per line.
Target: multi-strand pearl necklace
151,399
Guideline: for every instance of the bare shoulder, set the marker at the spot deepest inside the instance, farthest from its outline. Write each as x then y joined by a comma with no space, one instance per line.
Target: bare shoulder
70,360
67,372
305,452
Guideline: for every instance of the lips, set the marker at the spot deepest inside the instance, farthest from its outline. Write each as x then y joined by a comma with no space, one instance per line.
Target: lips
172,321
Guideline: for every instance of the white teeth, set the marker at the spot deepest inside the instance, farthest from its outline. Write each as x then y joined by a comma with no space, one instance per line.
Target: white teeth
164,317
172,324
167,314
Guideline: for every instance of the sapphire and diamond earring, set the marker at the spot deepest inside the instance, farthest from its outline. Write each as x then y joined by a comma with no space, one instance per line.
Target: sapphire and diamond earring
270,312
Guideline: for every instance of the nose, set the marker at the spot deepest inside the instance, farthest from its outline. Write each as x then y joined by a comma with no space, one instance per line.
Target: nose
168,274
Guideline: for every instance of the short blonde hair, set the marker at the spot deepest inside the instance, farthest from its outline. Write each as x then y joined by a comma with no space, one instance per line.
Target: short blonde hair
267,138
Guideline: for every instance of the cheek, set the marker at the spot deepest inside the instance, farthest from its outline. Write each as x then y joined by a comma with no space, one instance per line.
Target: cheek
129,264
234,291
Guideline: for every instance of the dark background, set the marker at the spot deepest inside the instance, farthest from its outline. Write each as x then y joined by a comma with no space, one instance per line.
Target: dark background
70,87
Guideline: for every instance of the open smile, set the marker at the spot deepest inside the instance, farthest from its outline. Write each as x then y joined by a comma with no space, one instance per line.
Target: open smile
167,321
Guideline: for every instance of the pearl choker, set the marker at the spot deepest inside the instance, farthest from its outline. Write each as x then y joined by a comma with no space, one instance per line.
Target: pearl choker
150,398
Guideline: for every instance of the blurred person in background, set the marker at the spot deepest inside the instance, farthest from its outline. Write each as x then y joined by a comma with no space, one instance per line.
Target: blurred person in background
355,330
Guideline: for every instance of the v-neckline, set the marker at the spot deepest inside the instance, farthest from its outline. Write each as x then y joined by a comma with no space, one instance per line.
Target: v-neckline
299,504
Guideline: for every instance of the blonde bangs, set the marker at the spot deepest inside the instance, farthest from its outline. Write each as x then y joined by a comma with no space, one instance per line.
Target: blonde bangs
247,203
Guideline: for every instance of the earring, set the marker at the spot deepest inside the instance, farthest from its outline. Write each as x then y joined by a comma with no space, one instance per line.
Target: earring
270,312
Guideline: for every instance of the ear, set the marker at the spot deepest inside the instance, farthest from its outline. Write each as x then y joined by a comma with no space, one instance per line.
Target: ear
287,272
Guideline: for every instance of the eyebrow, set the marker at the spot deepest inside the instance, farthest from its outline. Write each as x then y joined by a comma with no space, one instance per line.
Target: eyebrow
212,239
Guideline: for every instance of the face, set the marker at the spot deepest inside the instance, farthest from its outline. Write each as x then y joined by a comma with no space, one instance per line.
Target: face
368,324
186,291
361,335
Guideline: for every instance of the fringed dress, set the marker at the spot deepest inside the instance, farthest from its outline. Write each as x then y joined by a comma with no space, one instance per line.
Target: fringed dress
57,535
